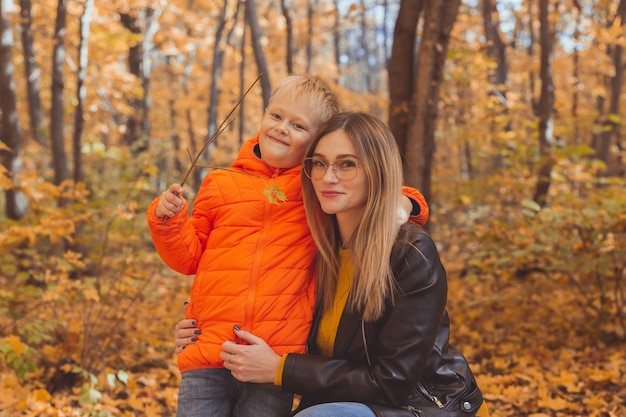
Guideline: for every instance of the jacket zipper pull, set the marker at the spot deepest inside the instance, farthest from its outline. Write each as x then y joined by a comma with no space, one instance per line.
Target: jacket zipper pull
415,411
429,395
436,401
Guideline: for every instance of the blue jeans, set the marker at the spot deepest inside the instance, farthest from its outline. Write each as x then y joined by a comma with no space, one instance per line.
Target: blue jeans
337,410
215,393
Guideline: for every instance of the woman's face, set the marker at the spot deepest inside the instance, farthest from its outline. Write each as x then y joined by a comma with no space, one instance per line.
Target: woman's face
343,188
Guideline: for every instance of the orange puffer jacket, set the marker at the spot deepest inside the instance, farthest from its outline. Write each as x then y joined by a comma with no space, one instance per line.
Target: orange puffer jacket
252,259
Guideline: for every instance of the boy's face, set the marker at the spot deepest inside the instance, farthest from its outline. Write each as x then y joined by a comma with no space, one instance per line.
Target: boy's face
286,131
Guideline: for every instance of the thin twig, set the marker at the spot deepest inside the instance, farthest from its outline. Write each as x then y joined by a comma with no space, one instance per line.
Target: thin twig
219,130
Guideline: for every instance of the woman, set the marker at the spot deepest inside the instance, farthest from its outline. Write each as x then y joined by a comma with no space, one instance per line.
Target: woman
379,340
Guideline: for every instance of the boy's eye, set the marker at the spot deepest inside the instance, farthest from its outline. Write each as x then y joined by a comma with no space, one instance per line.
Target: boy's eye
276,116
298,126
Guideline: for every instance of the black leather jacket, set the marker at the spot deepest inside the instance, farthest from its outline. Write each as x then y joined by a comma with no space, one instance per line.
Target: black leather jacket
402,360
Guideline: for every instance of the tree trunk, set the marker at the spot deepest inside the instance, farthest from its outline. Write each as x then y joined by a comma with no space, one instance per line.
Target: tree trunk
611,125
132,135
439,18
81,90
289,35
365,53
10,131
309,40
545,107
242,84
259,55
530,52
145,24
386,31
193,145
151,26
216,75
32,72
401,68
57,109
337,41
576,75
496,49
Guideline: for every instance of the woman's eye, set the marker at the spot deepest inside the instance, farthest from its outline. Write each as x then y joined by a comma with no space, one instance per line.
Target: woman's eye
318,164
346,163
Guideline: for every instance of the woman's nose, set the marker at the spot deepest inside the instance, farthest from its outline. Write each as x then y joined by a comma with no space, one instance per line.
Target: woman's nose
331,174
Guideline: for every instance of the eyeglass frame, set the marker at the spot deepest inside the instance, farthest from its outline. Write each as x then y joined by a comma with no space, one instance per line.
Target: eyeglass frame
337,171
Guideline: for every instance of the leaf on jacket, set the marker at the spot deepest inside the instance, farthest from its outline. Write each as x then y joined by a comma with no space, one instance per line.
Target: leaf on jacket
273,194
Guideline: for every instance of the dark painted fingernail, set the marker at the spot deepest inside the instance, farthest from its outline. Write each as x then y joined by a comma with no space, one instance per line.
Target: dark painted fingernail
193,323
185,303
194,339
184,346
236,328
196,331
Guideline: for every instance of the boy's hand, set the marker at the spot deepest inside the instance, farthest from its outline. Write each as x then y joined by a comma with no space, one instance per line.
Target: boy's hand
171,202
404,211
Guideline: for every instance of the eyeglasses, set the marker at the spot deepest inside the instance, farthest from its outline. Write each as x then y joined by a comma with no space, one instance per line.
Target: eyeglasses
343,168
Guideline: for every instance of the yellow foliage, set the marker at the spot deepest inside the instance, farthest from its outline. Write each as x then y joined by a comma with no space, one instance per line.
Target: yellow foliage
41,396
138,403
16,344
5,180
151,169
557,403
604,375
54,353
91,294
569,380
22,405
15,235
594,401
74,258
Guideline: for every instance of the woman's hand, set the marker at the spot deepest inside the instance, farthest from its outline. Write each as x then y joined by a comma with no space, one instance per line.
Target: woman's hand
254,362
185,333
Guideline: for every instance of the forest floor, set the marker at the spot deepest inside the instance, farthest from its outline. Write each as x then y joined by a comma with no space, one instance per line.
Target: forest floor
533,352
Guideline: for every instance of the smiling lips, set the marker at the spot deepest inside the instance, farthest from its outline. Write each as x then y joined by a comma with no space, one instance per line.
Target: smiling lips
274,139
330,193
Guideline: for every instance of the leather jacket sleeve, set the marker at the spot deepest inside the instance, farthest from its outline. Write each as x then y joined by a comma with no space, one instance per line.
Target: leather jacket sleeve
398,346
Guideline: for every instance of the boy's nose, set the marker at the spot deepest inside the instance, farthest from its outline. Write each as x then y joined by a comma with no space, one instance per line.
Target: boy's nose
283,127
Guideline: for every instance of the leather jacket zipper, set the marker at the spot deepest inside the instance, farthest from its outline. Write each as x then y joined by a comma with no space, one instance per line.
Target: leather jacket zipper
416,412
429,395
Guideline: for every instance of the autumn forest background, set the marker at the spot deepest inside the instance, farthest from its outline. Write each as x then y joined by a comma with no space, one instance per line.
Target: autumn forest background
508,113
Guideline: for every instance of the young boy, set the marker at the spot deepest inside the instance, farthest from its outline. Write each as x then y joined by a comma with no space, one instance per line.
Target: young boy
249,246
